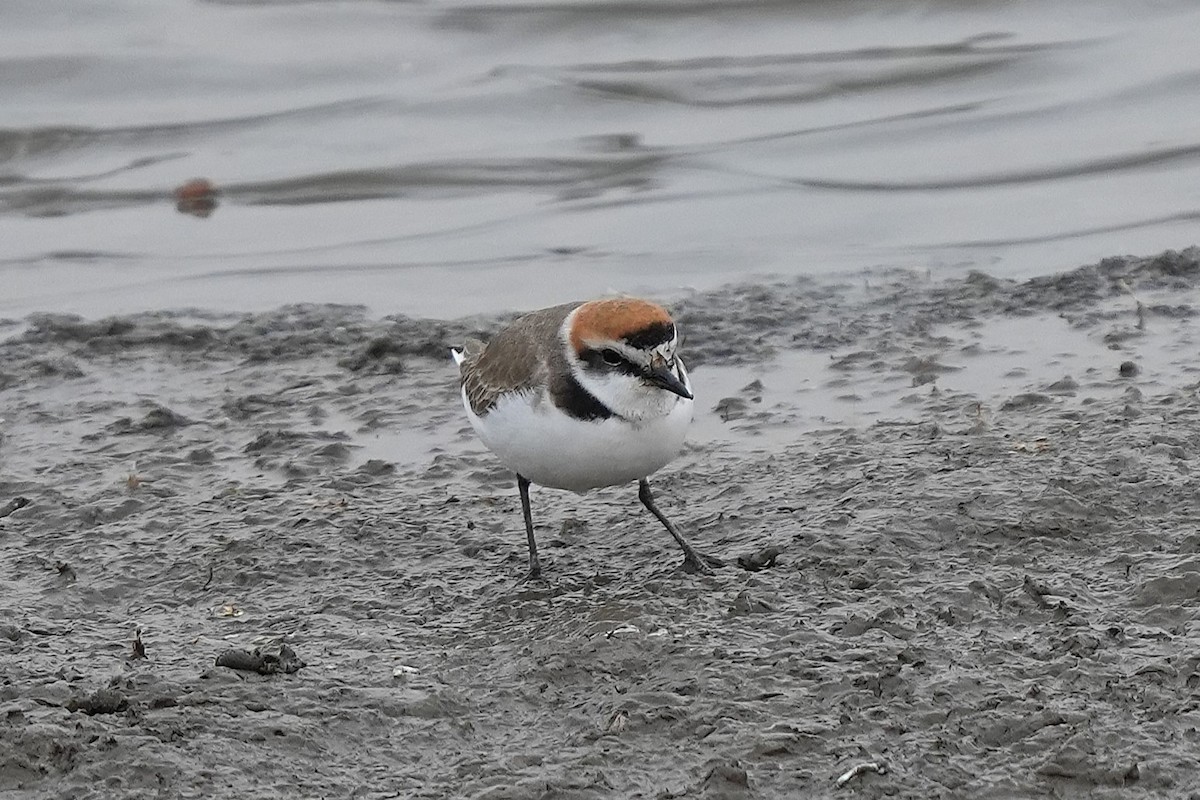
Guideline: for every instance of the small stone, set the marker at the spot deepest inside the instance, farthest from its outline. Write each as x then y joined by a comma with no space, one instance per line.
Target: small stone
762,559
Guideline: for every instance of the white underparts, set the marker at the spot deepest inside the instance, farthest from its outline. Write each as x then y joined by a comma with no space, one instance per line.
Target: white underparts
534,438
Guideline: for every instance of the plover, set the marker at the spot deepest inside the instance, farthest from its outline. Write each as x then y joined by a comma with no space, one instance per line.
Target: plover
580,396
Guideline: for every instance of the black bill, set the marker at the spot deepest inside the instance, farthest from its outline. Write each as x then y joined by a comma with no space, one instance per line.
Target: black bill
664,377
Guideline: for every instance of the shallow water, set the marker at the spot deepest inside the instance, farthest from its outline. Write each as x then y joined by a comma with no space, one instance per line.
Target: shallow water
459,157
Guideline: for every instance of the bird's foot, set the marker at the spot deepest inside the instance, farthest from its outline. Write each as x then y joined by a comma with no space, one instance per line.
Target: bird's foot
534,575
700,563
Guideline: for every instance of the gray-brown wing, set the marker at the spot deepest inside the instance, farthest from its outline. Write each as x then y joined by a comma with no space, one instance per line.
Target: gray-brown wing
516,358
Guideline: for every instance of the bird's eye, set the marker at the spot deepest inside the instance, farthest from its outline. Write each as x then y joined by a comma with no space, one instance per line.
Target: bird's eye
611,357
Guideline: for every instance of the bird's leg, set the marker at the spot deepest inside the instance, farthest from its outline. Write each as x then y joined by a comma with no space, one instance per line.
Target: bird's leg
535,567
692,560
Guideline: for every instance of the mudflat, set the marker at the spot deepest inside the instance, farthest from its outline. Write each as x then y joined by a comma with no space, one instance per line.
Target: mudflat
959,515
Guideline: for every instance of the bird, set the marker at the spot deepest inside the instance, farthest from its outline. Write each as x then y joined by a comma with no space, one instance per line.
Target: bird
581,396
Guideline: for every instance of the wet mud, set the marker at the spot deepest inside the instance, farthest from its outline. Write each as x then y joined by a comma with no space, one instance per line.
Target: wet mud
959,519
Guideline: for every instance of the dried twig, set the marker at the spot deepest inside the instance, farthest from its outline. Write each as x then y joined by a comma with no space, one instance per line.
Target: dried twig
877,767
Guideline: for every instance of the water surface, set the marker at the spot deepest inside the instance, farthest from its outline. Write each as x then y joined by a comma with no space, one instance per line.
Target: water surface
457,157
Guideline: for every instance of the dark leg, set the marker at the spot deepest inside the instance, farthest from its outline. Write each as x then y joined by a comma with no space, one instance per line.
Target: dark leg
692,561
535,567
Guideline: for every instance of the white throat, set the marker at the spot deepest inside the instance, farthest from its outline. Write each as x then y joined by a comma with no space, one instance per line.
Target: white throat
629,397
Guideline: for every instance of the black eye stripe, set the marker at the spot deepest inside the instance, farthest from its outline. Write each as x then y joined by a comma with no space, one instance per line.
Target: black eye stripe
608,360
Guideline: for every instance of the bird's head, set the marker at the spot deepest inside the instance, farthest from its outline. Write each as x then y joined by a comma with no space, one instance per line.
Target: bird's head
623,351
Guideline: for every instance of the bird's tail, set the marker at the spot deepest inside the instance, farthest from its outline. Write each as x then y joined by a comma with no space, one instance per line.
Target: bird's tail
457,355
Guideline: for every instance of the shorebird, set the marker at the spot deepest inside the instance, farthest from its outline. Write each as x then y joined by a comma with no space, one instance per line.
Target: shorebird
580,396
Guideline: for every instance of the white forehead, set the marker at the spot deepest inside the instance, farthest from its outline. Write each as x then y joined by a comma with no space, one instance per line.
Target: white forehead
667,348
